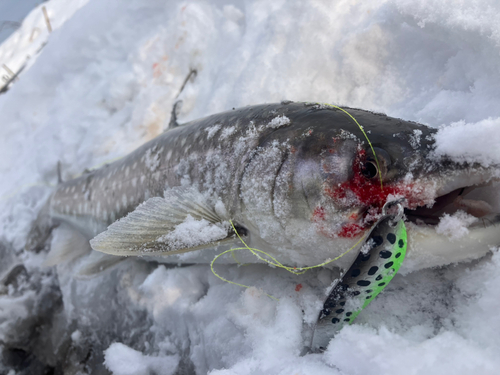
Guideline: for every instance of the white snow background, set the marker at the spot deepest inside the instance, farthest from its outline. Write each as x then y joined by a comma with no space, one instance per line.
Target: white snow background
105,83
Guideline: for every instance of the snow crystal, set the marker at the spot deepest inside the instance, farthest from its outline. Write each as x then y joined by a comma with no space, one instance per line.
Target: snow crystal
471,142
122,360
220,209
212,130
76,336
455,226
227,132
278,122
415,139
192,232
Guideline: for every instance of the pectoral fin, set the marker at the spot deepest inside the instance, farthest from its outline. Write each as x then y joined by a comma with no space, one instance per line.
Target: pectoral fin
179,223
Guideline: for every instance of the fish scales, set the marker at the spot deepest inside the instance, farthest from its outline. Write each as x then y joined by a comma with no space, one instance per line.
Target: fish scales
189,154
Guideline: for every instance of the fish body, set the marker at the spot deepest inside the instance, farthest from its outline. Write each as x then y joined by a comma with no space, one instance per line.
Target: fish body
299,180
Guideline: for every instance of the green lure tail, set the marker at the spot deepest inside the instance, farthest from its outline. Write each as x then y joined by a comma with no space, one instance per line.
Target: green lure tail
378,261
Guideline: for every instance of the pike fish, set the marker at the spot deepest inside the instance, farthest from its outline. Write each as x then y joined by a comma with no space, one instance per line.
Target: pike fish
298,180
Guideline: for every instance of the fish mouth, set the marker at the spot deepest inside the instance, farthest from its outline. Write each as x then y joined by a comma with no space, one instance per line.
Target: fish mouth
479,201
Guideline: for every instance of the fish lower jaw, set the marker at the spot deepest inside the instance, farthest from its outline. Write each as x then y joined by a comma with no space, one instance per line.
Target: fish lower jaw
462,225
427,247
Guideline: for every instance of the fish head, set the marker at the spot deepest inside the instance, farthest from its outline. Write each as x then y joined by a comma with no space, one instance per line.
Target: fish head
345,175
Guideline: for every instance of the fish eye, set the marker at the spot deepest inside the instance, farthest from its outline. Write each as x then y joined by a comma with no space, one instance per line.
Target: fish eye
369,169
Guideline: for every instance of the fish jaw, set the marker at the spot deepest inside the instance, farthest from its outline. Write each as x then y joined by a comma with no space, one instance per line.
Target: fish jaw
451,217
344,204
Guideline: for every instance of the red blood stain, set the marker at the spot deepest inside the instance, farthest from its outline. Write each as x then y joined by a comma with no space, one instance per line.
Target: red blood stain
318,214
369,194
298,287
350,230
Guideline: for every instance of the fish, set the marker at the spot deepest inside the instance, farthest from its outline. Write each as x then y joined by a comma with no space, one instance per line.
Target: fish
301,181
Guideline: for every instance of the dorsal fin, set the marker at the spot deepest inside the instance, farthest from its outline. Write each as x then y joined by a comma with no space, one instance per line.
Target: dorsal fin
59,177
173,115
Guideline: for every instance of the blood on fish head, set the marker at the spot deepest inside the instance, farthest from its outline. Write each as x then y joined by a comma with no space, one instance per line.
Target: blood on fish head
323,174
357,180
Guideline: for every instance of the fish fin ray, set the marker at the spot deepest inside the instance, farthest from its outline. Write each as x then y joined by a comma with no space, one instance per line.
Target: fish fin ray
154,228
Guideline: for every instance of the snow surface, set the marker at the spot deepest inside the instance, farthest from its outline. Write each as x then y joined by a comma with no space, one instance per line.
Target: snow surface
105,83
479,141
19,49
455,226
12,15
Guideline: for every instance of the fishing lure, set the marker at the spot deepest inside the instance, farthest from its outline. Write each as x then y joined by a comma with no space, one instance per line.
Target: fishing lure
378,261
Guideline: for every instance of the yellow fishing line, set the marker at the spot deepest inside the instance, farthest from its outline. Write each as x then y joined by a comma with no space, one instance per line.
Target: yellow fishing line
366,136
274,262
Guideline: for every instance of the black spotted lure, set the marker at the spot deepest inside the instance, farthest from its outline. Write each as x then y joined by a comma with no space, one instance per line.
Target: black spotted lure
378,261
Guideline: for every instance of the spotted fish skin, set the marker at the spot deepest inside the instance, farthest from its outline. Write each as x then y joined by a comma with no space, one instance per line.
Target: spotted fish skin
211,153
291,175
375,266
267,164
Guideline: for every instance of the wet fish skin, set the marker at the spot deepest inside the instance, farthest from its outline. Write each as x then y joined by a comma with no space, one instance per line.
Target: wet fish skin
291,174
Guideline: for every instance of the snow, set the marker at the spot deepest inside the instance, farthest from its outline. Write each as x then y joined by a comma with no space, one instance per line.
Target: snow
455,226
278,122
25,43
121,360
473,140
212,131
105,83
192,233
12,16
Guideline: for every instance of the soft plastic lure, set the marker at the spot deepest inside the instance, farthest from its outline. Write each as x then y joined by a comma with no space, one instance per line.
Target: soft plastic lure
378,261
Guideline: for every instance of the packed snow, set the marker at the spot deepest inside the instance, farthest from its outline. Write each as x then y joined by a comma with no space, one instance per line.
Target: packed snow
479,141
105,82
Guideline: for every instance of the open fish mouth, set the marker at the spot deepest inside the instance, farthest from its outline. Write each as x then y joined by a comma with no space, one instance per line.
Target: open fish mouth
477,201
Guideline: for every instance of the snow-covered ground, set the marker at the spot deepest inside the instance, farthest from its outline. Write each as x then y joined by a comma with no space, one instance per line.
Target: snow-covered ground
105,83
20,49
